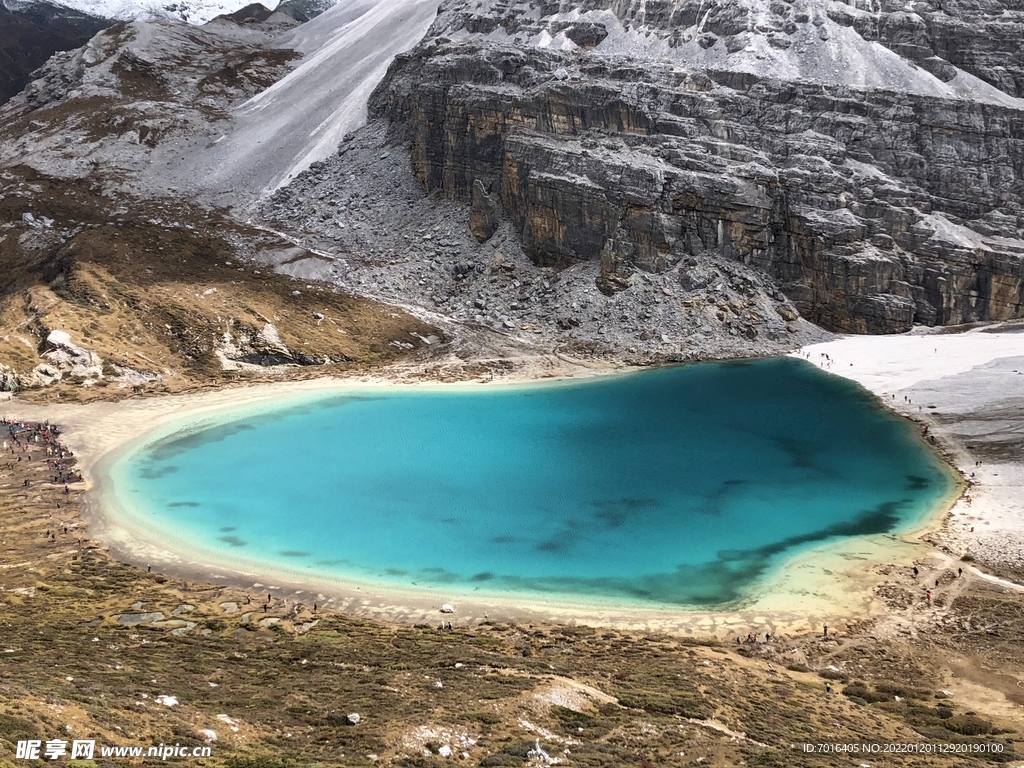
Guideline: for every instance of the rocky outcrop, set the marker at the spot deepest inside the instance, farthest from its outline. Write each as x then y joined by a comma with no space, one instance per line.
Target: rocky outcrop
31,33
62,359
875,205
872,43
246,346
483,216
137,98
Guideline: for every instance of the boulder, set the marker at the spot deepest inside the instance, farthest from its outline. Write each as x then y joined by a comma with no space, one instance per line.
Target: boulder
483,214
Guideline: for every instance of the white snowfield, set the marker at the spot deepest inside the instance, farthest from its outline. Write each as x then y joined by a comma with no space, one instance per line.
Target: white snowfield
302,118
191,11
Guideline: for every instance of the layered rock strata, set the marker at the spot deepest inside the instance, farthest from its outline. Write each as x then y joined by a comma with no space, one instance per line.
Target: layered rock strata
877,199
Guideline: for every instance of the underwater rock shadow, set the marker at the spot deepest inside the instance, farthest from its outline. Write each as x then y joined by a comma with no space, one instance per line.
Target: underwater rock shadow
721,582
207,432
614,513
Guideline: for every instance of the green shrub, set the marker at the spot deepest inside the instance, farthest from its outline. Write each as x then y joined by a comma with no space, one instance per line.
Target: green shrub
259,761
968,725
828,674
14,729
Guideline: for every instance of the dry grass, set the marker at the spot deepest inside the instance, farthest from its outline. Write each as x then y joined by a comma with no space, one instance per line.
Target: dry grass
156,287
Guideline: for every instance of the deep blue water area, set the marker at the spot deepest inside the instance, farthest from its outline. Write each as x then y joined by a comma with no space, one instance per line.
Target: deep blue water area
677,485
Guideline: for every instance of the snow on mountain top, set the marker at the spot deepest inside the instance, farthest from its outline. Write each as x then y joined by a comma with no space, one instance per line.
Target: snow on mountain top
191,11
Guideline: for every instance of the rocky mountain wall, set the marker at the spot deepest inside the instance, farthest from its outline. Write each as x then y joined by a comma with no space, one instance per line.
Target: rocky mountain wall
874,209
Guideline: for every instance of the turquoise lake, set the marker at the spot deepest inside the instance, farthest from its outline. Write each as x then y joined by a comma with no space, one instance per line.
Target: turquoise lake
680,485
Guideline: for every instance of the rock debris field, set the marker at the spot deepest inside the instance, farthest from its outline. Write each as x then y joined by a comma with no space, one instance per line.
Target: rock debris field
372,230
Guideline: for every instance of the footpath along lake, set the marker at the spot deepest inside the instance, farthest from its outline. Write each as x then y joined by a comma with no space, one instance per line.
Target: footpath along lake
682,485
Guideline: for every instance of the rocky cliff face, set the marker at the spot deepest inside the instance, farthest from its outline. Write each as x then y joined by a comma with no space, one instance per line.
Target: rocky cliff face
870,159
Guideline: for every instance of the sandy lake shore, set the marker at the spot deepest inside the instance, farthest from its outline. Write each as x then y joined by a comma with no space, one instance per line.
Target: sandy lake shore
969,377
968,389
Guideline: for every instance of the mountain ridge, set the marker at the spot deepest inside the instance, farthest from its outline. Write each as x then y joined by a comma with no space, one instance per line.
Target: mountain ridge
31,32
190,11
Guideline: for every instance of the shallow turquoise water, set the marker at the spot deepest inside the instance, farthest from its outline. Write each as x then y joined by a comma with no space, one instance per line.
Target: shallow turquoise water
677,485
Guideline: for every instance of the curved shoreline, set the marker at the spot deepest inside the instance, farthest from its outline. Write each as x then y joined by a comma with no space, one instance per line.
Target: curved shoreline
830,583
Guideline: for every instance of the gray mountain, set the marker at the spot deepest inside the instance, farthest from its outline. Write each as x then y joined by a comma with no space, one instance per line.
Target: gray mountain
32,32
643,175
868,156
304,10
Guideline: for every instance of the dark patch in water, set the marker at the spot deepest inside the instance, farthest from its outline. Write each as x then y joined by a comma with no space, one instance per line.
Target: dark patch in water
234,541
881,519
150,472
917,483
553,545
737,363
614,513
395,572
449,520
186,504
719,582
713,504
294,553
483,576
336,401
180,442
612,518
438,576
801,452
204,434
228,529
503,539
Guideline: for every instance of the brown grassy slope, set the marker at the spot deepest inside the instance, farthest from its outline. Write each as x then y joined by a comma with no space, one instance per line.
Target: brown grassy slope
155,286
